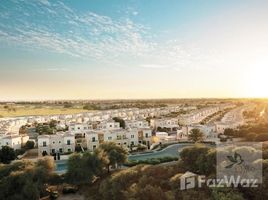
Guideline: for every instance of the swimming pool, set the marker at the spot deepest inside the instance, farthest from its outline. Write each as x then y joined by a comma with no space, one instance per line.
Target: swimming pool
171,151
61,166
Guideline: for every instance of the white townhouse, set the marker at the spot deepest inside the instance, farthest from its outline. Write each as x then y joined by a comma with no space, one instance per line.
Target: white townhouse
133,137
108,125
208,130
137,124
92,139
13,141
170,123
122,137
79,127
145,136
58,143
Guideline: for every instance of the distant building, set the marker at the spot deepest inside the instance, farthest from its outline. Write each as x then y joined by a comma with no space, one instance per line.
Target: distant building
13,141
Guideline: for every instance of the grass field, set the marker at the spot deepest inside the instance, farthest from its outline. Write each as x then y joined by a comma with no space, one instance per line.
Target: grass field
33,110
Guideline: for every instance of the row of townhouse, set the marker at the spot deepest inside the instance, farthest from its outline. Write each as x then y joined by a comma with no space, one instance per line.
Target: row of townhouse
122,137
66,142
136,124
233,119
13,141
197,116
208,130
126,114
169,123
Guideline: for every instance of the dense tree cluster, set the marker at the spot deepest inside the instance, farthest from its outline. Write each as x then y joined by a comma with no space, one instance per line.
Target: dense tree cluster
83,168
25,180
258,133
144,182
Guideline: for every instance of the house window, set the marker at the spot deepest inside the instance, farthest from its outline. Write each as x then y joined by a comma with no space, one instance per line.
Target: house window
111,125
60,150
53,150
146,135
132,143
132,136
78,128
109,138
7,143
69,150
94,147
59,142
53,142
93,139
44,144
68,142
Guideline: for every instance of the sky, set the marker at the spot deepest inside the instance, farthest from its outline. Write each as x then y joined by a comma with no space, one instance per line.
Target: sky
131,49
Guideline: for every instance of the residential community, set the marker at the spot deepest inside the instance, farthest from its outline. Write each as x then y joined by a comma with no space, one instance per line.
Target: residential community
129,128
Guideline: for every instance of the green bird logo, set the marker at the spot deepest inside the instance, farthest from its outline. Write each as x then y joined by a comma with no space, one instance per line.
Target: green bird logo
236,159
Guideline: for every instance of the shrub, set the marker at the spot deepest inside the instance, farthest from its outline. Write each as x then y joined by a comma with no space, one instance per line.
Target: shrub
29,145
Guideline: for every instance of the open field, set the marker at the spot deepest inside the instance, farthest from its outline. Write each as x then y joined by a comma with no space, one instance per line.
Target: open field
32,110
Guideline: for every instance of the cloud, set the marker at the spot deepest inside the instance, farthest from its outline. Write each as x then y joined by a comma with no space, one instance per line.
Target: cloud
55,27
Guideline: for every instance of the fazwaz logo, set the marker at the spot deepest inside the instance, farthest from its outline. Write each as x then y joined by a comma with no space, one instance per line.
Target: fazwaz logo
235,160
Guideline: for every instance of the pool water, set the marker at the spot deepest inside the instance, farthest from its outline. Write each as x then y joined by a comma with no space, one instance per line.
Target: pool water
171,151
61,166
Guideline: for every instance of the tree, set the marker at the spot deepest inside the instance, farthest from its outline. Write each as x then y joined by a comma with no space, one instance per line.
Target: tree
53,123
121,122
199,159
83,167
29,145
25,179
116,155
7,154
196,135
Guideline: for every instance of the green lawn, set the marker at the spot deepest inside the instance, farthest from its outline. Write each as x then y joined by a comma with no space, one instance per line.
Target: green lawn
33,110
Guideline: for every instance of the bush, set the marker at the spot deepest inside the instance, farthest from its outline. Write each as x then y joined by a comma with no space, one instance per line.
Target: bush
19,152
29,145
7,154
